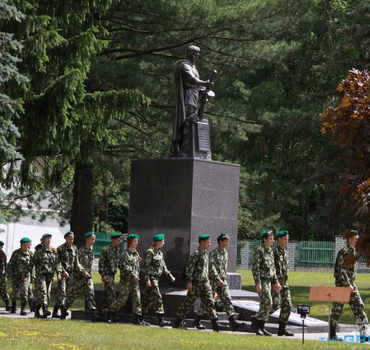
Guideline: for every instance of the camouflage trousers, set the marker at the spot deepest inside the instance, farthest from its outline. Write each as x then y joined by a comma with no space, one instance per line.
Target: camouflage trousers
282,296
78,285
224,296
4,294
266,301
203,290
153,298
109,296
357,306
127,288
30,292
62,291
20,289
42,288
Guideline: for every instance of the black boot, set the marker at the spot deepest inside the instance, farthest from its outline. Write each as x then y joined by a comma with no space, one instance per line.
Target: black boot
218,327
55,312
31,304
178,323
234,324
137,320
45,311
94,316
112,316
7,305
197,323
162,322
256,326
282,330
63,313
14,307
264,330
23,309
142,320
37,311
333,333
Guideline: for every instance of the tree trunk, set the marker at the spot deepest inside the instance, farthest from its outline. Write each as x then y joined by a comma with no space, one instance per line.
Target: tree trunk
82,213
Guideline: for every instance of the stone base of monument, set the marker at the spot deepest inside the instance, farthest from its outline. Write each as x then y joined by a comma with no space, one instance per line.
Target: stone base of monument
246,304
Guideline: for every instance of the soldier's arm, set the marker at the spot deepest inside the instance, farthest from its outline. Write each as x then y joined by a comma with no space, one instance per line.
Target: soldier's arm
147,262
343,271
190,267
213,274
257,259
102,268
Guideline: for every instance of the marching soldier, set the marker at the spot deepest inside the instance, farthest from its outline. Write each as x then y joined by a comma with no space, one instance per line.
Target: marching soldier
46,263
154,267
129,281
282,273
108,265
218,259
68,259
18,270
264,274
196,274
345,277
3,292
83,280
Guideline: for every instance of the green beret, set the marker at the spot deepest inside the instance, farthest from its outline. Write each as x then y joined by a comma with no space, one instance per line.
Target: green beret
1,243
89,234
46,235
267,233
355,232
116,235
204,236
282,233
223,234
158,237
69,233
25,240
133,235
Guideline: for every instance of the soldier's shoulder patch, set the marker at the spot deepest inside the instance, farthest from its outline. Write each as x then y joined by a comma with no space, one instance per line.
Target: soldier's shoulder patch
106,248
60,247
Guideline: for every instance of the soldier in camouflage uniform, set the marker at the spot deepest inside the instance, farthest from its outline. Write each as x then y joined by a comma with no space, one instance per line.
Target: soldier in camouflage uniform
19,275
46,263
68,259
108,265
196,274
282,273
154,267
4,294
83,280
264,274
129,281
218,260
345,277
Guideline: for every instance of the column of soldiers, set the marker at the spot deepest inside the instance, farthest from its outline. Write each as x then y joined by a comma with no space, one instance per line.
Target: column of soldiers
205,276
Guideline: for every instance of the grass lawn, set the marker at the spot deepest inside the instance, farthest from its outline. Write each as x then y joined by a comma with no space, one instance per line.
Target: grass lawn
47,334
300,283
57,334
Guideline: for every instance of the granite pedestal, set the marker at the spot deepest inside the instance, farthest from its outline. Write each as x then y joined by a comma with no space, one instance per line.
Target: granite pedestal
183,198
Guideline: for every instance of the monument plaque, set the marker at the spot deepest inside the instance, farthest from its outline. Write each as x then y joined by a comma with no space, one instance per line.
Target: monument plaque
204,143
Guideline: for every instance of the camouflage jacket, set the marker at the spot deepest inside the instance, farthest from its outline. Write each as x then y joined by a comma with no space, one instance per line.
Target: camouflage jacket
197,269
19,264
2,264
281,266
109,260
129,264
68,258
263,267
45,261
344,276
86,260
218,259
154,264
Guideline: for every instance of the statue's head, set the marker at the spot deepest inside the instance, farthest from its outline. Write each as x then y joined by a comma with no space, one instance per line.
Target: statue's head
193,53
